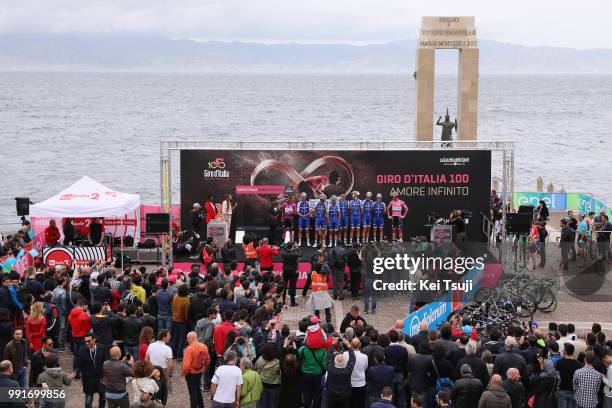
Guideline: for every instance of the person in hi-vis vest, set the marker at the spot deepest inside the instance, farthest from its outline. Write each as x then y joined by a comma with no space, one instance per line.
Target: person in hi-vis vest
319,296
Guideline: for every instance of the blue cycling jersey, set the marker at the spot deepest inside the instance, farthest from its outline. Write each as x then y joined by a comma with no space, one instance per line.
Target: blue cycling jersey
355,207
334,212
378,208
304,208
320,210
344,205
367,207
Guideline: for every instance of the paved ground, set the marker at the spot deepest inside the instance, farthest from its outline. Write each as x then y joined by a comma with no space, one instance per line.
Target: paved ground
576,305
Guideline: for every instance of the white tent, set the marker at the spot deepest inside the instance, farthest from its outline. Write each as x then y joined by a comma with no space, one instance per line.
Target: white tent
87,198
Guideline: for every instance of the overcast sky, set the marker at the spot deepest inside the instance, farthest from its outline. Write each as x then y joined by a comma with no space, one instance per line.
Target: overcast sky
580,24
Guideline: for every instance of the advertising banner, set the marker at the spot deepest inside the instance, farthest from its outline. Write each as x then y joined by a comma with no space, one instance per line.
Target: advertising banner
427,181
128,226
554,201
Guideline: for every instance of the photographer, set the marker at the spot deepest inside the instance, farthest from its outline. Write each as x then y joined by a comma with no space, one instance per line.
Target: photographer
114,372
457,219
339,372
291,256
197,219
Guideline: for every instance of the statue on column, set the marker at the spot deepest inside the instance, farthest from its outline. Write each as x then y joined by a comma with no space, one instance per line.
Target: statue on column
447,127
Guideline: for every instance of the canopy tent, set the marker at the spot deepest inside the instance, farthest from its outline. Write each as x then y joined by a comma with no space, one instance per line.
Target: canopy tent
86,198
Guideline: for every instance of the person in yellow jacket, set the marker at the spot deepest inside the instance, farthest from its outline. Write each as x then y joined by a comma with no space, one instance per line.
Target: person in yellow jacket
138,290
251,384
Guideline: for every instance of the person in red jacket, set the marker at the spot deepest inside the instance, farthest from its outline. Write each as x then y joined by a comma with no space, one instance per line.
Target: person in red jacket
80,326
221,331
36,327
52,234
266,252
211,210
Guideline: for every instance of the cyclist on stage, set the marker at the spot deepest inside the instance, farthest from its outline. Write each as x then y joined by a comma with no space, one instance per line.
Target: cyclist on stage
320,212
333,221
288,216
344,218
304,214
396,211
378,217
368,205
355,208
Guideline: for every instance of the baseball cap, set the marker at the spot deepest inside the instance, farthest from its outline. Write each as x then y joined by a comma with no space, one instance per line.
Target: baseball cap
467,330
147,389
197,205
314,320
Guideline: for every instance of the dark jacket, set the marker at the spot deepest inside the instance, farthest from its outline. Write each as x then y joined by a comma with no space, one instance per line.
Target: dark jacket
346,322
102,294
417,366
91,368
8,382
443,368
382,404
115,372
544,390
466,392
290,263
369,351
6,300
494,397
379,376
37,366
397,356
516,391
339,379
164,303
131,331
506,360
102,327
478,366
17,354
198,306
422,337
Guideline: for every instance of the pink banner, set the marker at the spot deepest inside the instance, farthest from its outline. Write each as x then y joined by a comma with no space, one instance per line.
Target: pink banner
263,190
117,227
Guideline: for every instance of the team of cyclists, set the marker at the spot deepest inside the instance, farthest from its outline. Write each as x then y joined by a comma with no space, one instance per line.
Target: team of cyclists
340,220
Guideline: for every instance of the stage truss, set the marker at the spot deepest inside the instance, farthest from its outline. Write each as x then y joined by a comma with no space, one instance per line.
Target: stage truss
502,149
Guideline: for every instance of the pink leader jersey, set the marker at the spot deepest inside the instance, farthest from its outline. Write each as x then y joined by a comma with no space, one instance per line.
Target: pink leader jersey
289,210
396,206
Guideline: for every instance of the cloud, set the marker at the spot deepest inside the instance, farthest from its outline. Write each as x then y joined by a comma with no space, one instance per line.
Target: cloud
525,22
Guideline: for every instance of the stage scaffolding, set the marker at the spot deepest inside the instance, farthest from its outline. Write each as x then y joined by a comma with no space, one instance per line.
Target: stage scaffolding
502,160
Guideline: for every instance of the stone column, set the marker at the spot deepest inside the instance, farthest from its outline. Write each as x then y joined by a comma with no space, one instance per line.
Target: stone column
423,116
467,99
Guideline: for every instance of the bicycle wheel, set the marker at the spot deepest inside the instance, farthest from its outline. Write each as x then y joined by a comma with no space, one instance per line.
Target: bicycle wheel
549,299
552,307
528,305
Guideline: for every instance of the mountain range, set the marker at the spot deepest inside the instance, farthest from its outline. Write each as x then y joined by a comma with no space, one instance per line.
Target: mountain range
133,53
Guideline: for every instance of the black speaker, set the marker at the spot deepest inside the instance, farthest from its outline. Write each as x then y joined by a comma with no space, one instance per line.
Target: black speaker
158,223
23,206
518,223
526,209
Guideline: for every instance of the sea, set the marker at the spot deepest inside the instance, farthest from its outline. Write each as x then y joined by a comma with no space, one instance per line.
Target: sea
57,126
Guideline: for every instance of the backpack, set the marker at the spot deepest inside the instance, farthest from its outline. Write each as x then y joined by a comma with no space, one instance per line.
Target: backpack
314,339
130,298
441,382
201,360
51,313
